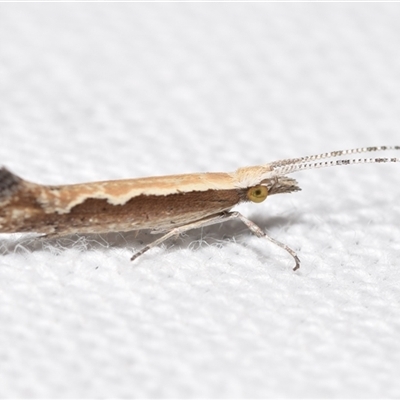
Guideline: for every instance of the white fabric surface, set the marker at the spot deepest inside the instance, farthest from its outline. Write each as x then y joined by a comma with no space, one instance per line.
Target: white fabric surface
105,91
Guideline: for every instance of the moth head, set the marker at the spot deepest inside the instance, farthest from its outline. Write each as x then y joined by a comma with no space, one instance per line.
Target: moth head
281,184
262,181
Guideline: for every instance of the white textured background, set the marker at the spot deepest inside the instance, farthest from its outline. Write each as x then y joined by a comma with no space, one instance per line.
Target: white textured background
104,91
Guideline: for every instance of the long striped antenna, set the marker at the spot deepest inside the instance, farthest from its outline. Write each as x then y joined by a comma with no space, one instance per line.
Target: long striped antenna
291,165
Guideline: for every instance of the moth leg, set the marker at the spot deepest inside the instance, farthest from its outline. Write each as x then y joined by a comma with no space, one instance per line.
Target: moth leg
260,233
214,219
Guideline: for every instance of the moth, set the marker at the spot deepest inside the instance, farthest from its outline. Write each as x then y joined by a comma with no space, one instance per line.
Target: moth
169,205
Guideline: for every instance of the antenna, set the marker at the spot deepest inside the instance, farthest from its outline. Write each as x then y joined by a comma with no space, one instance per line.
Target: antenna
288,166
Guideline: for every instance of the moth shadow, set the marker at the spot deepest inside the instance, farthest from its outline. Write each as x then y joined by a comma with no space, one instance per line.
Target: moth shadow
236,231
212,235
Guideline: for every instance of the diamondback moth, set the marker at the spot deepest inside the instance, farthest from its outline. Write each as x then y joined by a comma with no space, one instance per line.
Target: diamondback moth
164,204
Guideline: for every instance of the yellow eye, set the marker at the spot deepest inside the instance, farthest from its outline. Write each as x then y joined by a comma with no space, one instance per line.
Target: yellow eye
257,194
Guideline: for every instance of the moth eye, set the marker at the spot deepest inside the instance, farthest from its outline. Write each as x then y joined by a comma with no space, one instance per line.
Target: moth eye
257,194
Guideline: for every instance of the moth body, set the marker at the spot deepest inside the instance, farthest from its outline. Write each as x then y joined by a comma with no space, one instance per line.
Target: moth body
156,203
